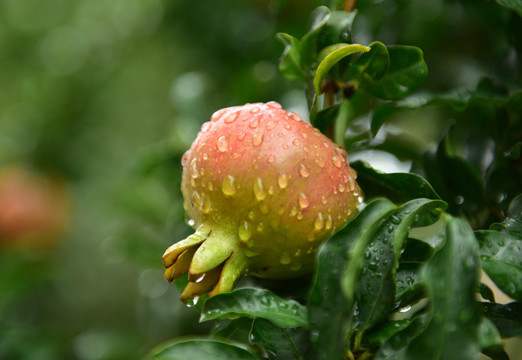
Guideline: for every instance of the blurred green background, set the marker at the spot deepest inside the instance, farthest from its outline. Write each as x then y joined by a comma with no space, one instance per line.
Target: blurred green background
104,96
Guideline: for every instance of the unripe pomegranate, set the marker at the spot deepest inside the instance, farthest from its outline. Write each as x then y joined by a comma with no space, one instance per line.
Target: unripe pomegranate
263,189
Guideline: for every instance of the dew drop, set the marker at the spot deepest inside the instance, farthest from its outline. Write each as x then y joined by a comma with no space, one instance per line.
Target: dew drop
274,104
285,146
341,188
231,117
257,139
206,207
271,159
251,215
255,110
303,170
244,231
319,162
197,199
259,191
336,161
296,142
271,124
304,135
294,116
254,123
193,183
204,156
260,227
264,208
299,216
288,126
303,201
228,187
194,168
405,309
280,134
271,190
282,181
285,259
241,136
319,222
328,222
210,186
293,211
206,126
222,143
324,200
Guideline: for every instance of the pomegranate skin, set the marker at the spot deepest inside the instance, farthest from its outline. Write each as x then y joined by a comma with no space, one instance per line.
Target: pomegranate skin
263,189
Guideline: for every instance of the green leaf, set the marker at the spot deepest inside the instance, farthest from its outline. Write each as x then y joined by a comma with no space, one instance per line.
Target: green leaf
501,257
279,343
379,336
416,251
200,349
409,283
330,316
255,303
513,221
451,277
372,65
398,187
507,318
407,70
376,284
325,118
237,329
331,56
515,5
486,292
290,62
488,334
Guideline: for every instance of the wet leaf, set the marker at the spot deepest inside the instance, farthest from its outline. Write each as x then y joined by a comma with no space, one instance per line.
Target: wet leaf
513,221
451,276
407,70
409,283
372,65
280,343
331,316
507,318
376,284
255,303
398,187
200,349
515,5
501,257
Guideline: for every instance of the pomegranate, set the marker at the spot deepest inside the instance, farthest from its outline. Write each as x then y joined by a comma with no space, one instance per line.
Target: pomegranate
263,189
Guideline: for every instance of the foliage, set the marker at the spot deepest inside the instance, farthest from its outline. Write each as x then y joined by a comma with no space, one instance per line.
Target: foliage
401,281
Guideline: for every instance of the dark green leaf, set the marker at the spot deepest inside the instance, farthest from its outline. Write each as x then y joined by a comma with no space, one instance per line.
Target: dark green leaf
398,187
255,303
501,257
372,65
331,316
325,118
515,5
406,72
507,318
375,292
488,334
486,292
378,337
290,62
409,284
451,277
416,251
237,329
200,349
337,29
280,343
513,221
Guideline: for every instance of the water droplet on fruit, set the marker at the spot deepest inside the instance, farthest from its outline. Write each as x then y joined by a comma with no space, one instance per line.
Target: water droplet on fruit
293,211
241,136
271,124
254,122
324,200
197,199
304,135
288,126
206,207
285,146
184,158
299,216
251,215
255,110
294,116
303,170
194,168
244,231
263,207
285,259
222,144
303,201
336,161
319,162
274,104
206,126
193,183
260,227
271,190
230,117
228,186
257,139
259,191
319,222
328,223
341,188
204,156
271,159
282,181
296,142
